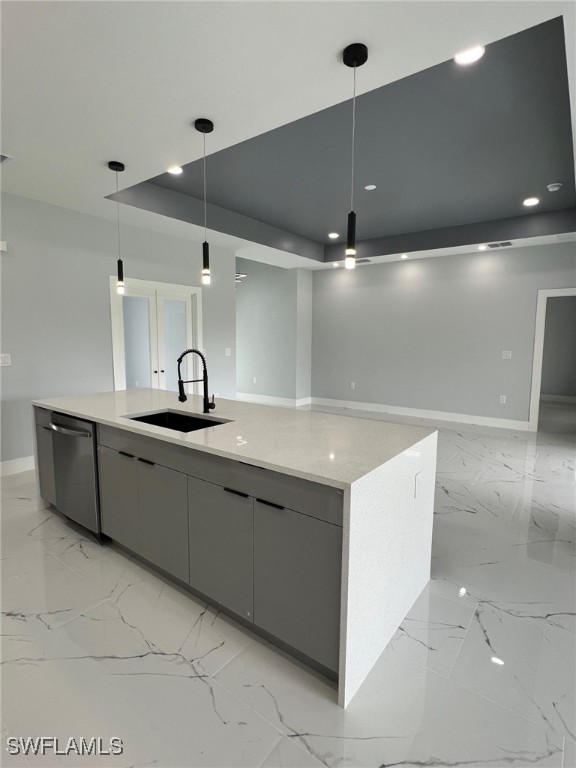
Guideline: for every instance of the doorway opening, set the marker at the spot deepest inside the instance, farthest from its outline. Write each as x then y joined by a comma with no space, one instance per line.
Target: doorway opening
152,324
553,395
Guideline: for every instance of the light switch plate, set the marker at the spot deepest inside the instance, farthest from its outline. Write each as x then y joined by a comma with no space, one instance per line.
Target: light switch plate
5,359
506,354
228,351
502,399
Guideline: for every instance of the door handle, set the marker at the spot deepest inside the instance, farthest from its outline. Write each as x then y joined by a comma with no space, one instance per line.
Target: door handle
70,432
236,493
270,504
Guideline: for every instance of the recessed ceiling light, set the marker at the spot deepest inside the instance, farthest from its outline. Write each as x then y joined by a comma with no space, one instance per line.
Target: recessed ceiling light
483,247
404,256
556,186
462,591
530,201
333,235
496,660
470,55
175,170
370,187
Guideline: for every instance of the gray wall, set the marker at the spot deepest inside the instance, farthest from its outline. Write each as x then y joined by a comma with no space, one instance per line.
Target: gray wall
273,330
559,358
429,333
304,282
56,306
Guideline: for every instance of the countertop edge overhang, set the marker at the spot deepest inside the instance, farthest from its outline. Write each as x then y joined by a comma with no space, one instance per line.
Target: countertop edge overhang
294,442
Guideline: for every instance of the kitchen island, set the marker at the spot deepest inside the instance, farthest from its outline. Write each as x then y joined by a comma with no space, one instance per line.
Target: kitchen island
312,529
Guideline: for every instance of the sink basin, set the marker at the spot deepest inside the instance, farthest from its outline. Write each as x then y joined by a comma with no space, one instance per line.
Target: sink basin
180,422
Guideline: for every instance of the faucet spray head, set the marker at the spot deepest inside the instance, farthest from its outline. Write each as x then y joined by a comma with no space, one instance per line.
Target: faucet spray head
181,394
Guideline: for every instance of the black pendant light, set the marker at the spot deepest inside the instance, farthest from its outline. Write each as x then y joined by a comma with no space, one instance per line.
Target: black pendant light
353,56
118,167
204,126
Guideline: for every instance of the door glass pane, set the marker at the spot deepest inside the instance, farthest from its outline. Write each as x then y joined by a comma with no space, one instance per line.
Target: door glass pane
137,341
175,340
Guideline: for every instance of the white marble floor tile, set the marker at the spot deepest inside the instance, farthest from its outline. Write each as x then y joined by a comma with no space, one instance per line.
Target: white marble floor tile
99,676
550,542
175,622
33,601
288,754
519,588
536,670
404,714
433,632
569,760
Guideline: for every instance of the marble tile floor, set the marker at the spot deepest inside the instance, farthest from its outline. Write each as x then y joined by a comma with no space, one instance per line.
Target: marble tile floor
95,644
557,417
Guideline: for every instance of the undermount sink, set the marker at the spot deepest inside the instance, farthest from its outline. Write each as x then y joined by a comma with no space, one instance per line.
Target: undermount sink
180,422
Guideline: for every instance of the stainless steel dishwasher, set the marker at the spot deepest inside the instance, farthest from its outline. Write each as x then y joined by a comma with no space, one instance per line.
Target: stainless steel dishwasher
76,482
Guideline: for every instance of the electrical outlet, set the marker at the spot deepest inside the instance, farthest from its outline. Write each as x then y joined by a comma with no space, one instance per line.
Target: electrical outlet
228,351
254,380
502,399
5,359
352,385
506,354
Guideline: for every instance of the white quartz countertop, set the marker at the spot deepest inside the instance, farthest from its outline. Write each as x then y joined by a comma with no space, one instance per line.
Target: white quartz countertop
322,447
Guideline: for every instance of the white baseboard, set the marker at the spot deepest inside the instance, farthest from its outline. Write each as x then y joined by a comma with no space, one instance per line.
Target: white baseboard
13,466
285,402
393,410
558,398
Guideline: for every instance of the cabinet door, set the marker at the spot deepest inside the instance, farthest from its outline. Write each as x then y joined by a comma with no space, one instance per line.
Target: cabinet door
222,545
45,457
297,577
119,497
163,504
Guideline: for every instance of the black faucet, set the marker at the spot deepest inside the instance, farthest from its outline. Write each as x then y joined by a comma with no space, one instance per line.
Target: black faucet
208,406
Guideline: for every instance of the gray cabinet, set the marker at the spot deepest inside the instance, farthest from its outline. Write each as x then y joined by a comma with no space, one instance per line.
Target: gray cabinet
45,458
163,496
297,578
232,532
143,506
119,515
221,545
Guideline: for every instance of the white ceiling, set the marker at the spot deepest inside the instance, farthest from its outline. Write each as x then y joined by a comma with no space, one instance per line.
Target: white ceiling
85,81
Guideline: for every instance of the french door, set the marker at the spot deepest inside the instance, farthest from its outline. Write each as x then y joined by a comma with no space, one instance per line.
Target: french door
152,324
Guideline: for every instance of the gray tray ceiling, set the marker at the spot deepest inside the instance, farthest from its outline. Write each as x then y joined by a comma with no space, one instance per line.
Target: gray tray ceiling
446,147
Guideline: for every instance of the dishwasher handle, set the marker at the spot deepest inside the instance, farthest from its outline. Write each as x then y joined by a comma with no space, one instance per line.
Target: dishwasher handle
70,432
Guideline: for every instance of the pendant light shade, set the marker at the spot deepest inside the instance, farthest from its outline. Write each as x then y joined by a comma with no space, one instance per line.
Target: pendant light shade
205,263
118,167
350,262
204,126
354,56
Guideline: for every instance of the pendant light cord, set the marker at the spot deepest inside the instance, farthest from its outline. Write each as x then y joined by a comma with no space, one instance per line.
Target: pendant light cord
204,135
117,214
353,142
